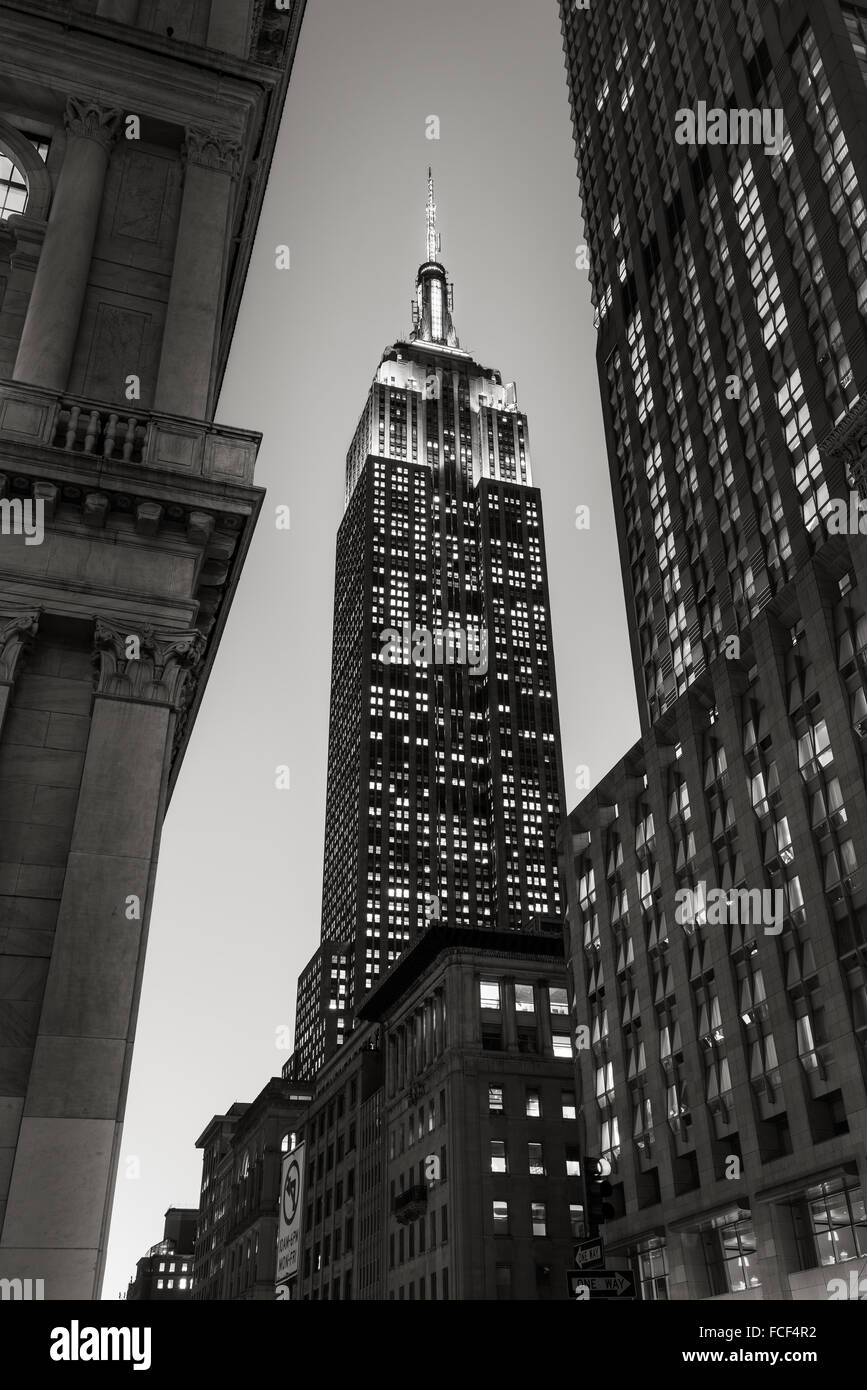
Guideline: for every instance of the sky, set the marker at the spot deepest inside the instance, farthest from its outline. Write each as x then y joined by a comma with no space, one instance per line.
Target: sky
236,910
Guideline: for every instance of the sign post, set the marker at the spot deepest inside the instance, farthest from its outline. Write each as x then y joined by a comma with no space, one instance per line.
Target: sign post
600,1283
289,1228
589,1253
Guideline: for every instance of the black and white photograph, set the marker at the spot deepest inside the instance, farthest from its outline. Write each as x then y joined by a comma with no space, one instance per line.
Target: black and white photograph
433,678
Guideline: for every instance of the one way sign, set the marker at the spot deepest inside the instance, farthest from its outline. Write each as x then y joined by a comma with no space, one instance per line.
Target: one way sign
601,1283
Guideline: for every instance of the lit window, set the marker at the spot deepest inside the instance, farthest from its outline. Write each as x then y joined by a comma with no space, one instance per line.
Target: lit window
568,1106
498,1156
489,994
537,1165
559,1001
160,1282
573,1163
501,1218
495,1099
524,1001
576,1219
534,1105
562,1045
538,1218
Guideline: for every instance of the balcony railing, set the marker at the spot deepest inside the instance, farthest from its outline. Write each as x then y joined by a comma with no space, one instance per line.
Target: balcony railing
93,430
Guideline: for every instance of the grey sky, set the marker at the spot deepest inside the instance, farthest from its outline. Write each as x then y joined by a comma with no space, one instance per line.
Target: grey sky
236,911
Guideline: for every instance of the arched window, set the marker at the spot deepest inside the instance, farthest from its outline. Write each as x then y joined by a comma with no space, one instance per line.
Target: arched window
13,188
24,180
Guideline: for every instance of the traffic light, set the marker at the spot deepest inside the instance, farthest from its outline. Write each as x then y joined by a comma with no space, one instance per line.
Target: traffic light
597,1191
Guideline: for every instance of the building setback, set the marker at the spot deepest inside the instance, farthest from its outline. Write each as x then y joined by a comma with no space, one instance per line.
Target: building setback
165,1273
445,784
135,142
721,1054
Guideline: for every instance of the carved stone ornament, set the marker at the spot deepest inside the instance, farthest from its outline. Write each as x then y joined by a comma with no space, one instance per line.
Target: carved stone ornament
93,121
155,665
212,149
17,631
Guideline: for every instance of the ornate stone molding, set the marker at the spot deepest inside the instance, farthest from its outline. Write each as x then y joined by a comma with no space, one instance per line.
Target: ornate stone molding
212,149
91,121
17,632
155,665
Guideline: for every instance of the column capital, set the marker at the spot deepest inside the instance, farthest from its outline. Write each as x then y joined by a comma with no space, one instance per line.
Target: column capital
143,663
17,631
212,149
92,121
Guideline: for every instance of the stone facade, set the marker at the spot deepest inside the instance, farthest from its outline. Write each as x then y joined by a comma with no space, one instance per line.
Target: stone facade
144,147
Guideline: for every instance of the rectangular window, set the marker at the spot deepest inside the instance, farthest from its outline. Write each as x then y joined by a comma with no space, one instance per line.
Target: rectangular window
504,1281
534,1105
537,1166
499,1162
495,1100
558,1000
538,1218
562,1045
501,1218
444,1224
653,1272
573,1161
837,1220
567,1105
489,994
524,1000
576,1220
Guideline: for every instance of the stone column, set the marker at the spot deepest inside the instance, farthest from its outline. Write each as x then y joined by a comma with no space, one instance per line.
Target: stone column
54,312
17,631
61,1189
196,296
546,1039
123,11
510,1022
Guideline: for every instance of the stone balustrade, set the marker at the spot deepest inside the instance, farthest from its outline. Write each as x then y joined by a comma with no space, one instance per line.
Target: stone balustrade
87,428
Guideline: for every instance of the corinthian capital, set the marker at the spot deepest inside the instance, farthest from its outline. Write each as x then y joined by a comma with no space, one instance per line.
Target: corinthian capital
154,665
17,631
212,149
93,121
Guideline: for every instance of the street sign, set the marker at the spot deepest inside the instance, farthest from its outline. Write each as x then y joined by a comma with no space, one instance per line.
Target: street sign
601,1283
589,1252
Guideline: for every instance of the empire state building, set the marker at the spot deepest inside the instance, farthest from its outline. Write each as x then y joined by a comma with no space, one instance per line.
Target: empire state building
445,783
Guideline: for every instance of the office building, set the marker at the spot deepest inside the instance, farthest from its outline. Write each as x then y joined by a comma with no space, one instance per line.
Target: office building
165,1273
717,917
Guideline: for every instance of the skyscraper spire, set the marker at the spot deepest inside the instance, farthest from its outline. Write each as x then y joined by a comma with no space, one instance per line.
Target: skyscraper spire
432,311
433,236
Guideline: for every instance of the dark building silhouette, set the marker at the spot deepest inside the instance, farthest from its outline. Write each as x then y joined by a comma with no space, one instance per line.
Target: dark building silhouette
166,1271
717,920
242,1151
135,142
